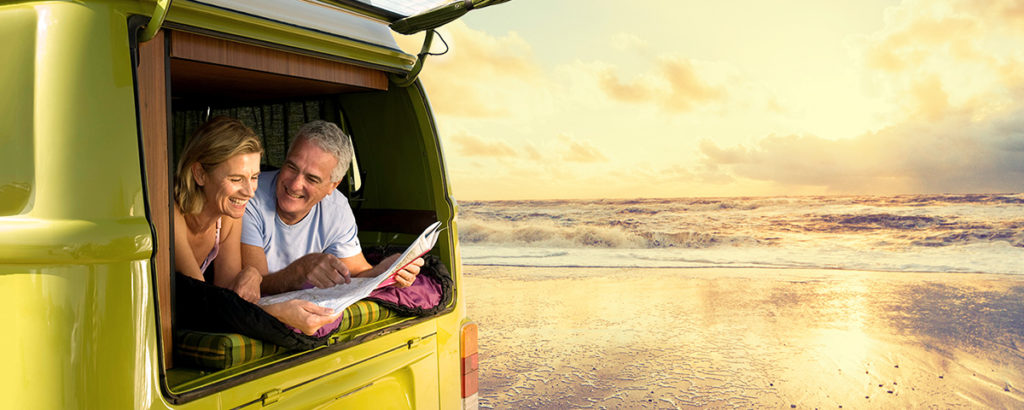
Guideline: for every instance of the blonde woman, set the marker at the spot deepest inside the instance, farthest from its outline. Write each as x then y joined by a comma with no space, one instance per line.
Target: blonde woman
216,176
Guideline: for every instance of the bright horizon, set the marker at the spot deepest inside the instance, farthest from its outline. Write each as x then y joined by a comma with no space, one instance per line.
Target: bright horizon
591,99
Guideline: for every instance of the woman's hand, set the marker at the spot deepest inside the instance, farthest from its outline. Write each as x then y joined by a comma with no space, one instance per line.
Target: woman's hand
247,284
304,315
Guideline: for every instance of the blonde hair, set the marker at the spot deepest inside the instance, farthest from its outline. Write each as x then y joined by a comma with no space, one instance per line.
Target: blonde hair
214,142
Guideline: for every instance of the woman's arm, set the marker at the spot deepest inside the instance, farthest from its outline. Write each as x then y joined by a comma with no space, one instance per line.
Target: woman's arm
184,259
304,315
229,272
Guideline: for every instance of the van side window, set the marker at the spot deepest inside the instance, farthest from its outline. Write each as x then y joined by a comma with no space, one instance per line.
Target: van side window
389,212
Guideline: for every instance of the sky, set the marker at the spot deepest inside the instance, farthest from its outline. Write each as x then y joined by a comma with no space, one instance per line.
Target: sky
587,99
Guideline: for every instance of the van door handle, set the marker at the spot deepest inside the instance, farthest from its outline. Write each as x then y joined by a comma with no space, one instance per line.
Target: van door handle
271,397
415,342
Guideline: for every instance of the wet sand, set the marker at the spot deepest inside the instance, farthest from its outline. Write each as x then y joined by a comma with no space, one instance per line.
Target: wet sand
676,338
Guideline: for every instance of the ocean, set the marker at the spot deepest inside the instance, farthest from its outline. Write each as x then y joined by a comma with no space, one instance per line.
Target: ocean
748,302
981,233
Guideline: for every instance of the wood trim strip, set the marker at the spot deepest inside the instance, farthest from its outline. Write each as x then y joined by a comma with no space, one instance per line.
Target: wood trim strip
195,47
153,118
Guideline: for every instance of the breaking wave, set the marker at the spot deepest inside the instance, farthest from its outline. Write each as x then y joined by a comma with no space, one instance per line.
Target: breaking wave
540,234
945,233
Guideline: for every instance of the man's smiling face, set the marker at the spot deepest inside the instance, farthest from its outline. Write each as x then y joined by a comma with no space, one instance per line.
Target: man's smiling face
304,180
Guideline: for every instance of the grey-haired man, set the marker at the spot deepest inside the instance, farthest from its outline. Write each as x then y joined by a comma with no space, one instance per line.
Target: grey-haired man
298,229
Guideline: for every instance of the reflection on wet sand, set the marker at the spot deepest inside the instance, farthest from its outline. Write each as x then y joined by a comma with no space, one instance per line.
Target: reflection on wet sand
666,338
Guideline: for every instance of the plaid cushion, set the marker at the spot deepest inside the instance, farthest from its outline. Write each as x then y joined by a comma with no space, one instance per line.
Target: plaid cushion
223,350
219,350
362,313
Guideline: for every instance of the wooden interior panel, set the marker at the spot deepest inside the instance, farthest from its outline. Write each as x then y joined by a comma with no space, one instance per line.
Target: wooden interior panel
194,47
153,117
211,83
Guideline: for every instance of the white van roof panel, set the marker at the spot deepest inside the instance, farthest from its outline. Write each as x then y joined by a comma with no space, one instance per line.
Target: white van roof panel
404,7
317,16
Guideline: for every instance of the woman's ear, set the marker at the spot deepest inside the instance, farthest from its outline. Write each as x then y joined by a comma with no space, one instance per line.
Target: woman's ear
198,174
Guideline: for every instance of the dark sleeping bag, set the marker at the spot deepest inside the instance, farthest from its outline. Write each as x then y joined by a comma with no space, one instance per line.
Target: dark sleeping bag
203,307
429,294
208,308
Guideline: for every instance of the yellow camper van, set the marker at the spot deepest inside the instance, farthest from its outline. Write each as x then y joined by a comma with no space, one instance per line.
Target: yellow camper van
97,100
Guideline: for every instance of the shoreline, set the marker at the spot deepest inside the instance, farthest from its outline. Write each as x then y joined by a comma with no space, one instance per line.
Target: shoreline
1017,276
728,336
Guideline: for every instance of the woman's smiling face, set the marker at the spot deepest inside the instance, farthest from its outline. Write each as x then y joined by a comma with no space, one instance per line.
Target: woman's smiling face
229,185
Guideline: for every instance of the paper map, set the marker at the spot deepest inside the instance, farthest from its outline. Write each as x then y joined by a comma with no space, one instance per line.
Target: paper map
341,296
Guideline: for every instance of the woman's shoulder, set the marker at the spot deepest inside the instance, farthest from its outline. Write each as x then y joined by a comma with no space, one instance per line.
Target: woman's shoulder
179,218
228,226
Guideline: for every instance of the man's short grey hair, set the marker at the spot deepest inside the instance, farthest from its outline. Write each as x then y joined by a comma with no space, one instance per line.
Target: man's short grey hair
331,139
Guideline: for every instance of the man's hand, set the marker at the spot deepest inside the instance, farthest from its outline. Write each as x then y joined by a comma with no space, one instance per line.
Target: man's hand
302,314
322,270
406,276
247,284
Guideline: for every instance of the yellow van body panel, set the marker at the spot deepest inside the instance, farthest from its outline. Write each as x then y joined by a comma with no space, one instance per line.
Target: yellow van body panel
74,256
76,275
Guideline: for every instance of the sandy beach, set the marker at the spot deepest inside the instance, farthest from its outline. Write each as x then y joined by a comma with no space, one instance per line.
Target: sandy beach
789,338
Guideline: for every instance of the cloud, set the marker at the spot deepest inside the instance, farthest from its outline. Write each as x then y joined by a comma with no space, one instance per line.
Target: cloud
532,152
580,151
956,74
677,85
688,88
928,98
957,53
909,43
564,148
951,154
481,75
626,92
472,146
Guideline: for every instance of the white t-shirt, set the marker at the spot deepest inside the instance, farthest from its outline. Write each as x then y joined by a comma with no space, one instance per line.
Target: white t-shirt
329,227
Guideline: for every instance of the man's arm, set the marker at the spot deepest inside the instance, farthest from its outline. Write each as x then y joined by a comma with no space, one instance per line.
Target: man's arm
320,269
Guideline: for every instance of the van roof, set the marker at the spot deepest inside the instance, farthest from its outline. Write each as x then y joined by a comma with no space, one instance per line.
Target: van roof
362,25
394,9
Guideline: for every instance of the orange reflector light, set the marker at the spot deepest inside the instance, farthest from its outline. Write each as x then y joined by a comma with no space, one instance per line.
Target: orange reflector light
470,363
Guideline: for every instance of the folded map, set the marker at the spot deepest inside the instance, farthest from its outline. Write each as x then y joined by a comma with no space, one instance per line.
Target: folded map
342,295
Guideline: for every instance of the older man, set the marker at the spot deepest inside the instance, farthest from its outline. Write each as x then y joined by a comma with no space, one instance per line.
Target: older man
298,229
